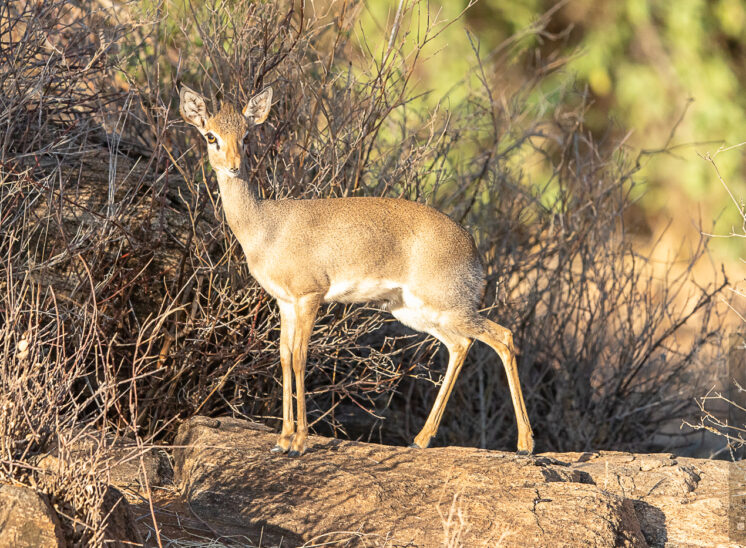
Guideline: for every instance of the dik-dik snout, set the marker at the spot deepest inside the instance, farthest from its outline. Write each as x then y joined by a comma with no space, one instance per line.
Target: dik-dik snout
226,154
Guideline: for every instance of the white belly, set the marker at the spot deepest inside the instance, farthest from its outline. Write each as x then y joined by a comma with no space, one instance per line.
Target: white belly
365,290
414,313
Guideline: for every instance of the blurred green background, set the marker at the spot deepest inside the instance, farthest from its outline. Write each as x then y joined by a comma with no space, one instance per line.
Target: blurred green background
648,67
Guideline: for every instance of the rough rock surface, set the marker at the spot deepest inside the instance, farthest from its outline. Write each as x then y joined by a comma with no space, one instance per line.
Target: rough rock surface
679,501
132,463
121,529
27,520
130,466
398,496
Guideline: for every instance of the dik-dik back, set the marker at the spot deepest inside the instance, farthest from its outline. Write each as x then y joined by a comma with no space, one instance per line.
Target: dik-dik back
357,249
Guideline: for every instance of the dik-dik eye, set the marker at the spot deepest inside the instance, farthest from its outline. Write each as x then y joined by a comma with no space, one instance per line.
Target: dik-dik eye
211,138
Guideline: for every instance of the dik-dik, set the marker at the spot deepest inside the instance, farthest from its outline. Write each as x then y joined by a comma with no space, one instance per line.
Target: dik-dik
415,260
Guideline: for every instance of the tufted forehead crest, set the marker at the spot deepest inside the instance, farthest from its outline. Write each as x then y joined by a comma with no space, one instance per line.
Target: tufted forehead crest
228,118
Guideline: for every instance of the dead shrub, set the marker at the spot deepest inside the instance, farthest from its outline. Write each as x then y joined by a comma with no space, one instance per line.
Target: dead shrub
135,302
721,403
58,382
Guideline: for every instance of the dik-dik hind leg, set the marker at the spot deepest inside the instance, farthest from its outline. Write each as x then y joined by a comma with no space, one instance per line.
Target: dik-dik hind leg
501,341
458,347
305,314
287,331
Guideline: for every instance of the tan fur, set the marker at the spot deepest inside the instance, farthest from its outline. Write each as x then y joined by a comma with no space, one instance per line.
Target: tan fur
412,259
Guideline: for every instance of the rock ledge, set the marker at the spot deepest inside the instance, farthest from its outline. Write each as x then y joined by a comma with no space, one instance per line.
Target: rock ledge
400,496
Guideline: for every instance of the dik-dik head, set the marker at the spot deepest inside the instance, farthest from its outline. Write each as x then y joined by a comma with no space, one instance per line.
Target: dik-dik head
226,131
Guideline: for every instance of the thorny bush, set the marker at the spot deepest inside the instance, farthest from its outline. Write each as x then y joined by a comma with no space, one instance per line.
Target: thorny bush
128,307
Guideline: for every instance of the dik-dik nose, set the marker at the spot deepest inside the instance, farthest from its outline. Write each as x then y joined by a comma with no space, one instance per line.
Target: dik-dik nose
233,159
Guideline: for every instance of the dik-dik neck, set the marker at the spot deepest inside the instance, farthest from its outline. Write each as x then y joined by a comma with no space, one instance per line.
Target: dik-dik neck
241,205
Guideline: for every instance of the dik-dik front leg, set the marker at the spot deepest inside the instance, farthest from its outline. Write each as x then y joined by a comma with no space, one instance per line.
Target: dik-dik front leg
296,324
305,314
287,330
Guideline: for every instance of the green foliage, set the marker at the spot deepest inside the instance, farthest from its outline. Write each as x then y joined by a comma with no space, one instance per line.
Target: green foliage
642,62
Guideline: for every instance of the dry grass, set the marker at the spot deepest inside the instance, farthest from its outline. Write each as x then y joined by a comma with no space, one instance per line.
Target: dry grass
127,304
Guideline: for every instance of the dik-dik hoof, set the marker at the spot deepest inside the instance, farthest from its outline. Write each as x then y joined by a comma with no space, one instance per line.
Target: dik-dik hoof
277,449
525,444
415,446
293,453
523,453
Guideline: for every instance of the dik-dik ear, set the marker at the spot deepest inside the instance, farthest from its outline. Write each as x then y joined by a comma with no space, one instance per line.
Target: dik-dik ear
193,108
258,107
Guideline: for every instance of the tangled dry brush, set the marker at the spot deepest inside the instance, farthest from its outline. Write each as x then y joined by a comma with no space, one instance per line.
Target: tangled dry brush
126,304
